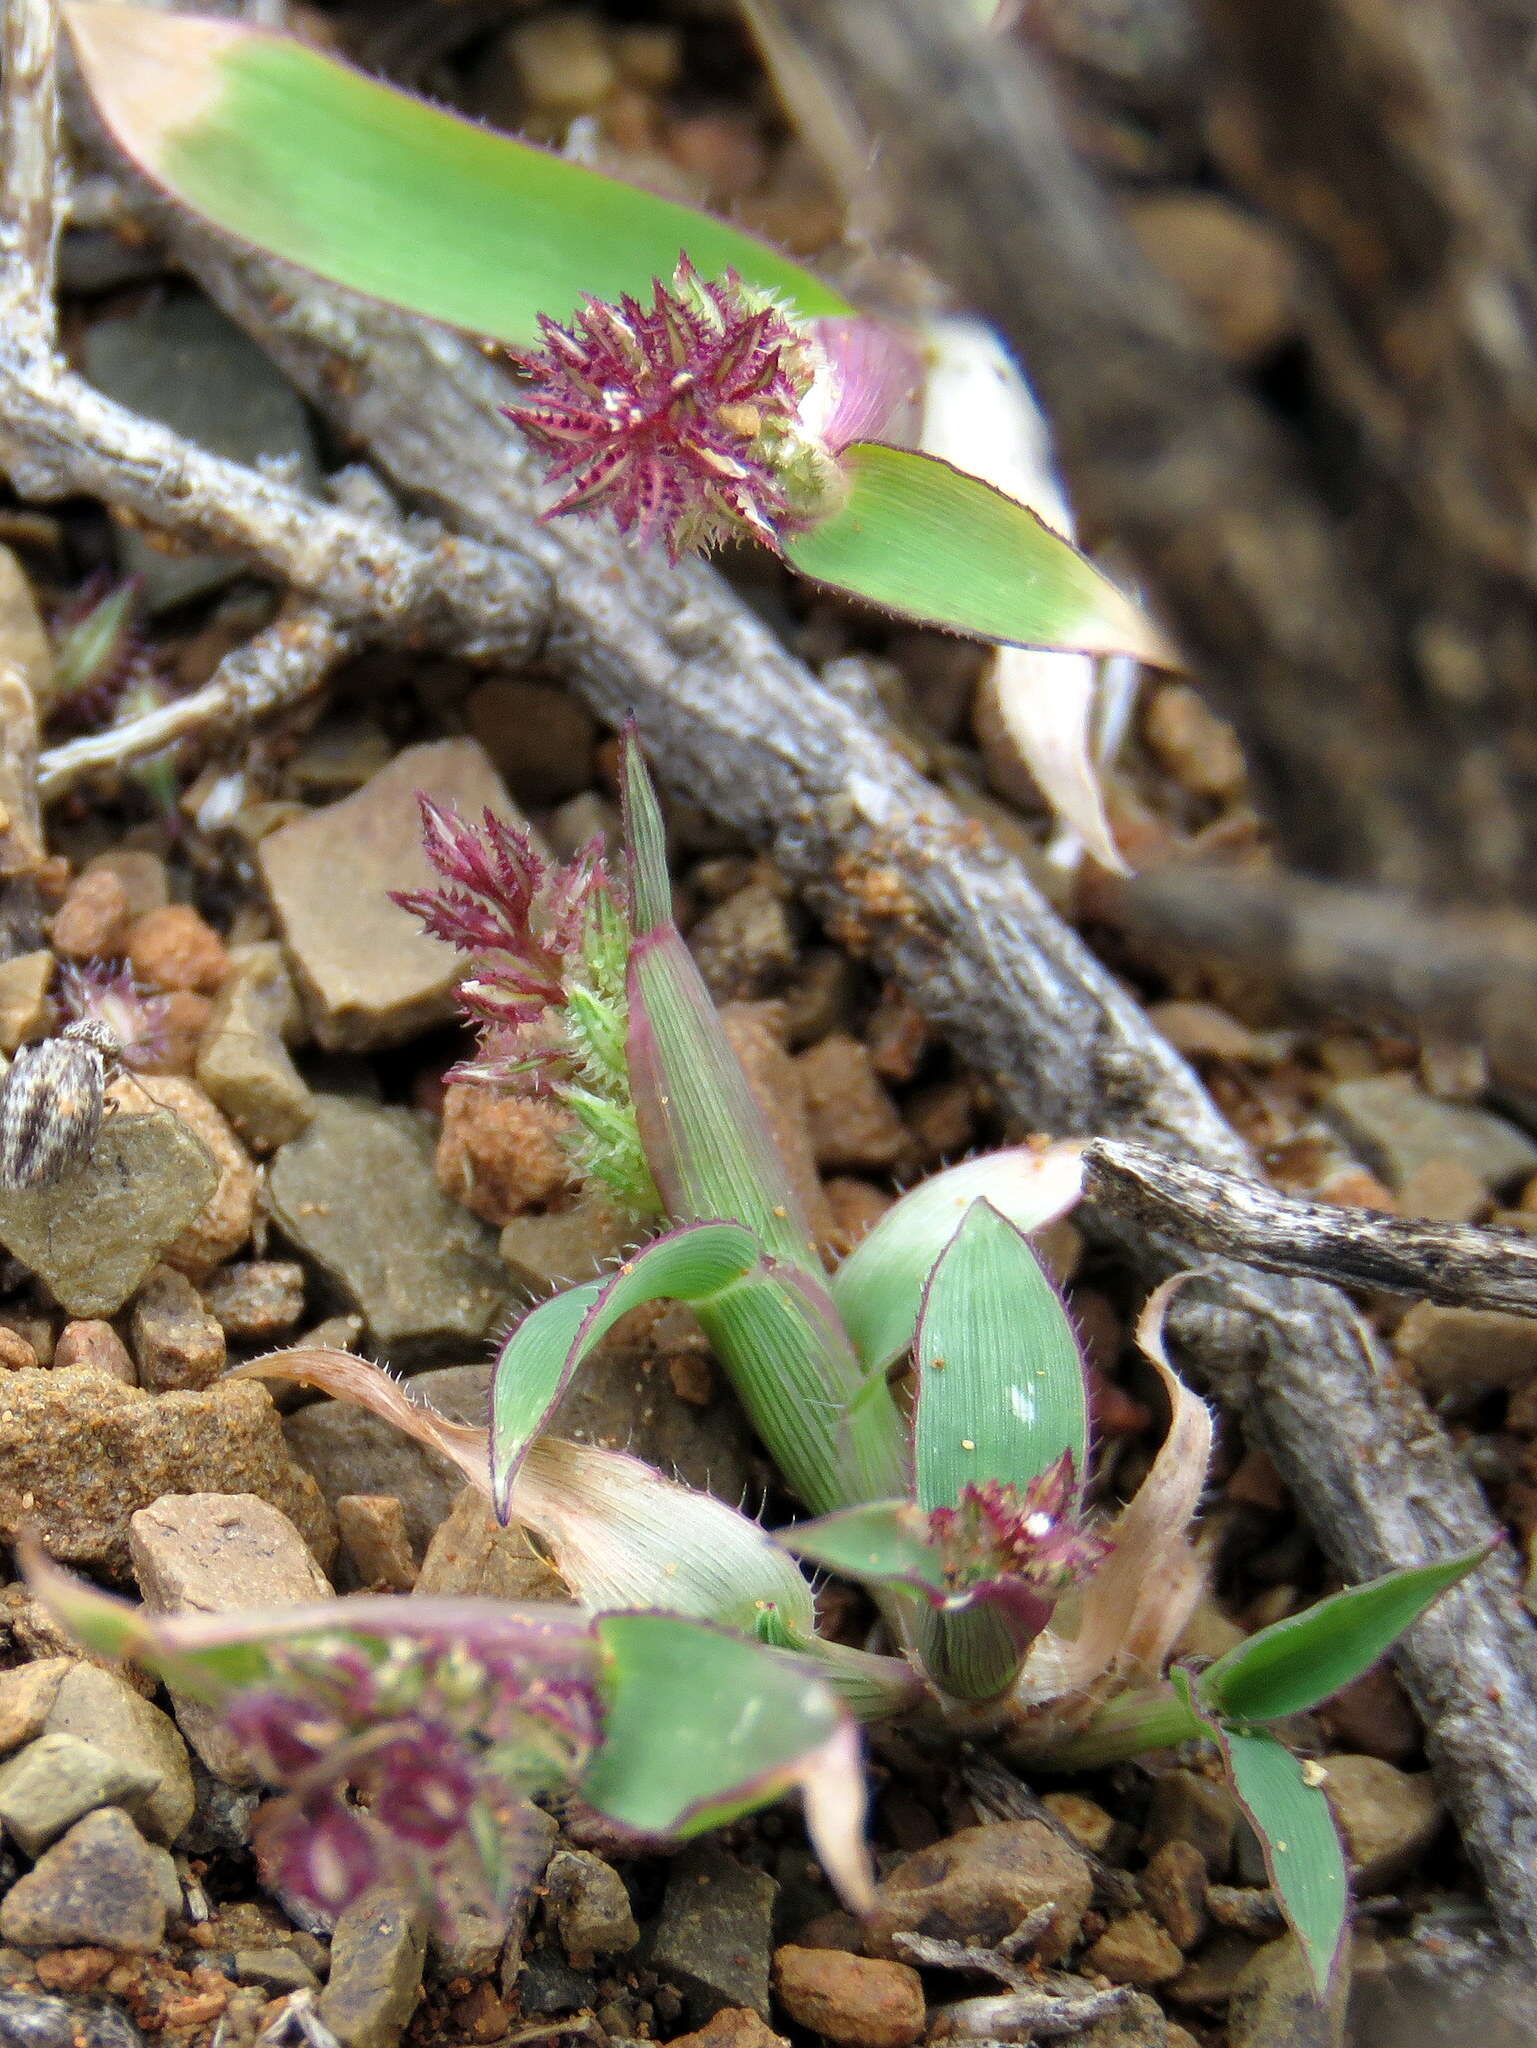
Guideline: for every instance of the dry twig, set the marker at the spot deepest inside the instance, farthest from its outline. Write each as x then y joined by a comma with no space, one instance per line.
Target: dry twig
1247,1220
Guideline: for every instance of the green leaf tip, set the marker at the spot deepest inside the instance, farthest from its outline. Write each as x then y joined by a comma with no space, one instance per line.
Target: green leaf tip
378,191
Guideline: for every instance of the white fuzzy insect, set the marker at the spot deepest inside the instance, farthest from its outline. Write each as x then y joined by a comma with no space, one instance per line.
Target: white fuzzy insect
52,1102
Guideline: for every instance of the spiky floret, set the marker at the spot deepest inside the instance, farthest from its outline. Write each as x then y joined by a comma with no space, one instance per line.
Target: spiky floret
684,420
997,1532
550,943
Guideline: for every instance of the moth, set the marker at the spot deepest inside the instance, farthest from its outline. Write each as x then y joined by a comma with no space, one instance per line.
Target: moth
52,1102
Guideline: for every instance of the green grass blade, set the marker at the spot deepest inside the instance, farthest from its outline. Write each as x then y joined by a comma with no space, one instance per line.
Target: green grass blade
929,542
883,1543
536,1363
701,1726
1001,1390
376,190
1294,1664
879,1287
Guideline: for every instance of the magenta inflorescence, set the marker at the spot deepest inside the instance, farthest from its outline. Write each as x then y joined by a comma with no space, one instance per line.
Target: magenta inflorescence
99,993
998,1532
676,419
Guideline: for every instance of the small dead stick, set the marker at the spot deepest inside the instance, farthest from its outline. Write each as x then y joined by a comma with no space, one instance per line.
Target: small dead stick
1243,1219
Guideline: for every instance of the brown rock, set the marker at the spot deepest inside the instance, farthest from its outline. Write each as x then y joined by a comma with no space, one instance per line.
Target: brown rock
140,874
733,2027
501,1154
24,1008
257,1299
1202,1031
97,1345
1187,1807
1235,269
942,1119
176,1342
471,1554
1134,1949
27,1695
1444,1191
540,738
369,975
1466,1350
898,1035
745,947
856,1208
224,1223
558,1248
15,1352
92,922
73,1969
1387,1818
175,948
853,1121
978,1885
753,1030
378,1948
1373,1715
216,1553
859,2001
179,1035
1174,1885
1191,743
37,1331
1085,1819
373,1533
1274,2002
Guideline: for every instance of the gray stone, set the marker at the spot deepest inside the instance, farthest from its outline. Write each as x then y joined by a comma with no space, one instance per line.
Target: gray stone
98,1886
555,1248
714,1938
1274,2003
179,360
378,1950
256,1300
421,1271
48,1785
92,1237
29,2019
243,1062
107,1712
469,1930
80,1453
978,1885
745,947
472,1555
27,1695
586,1899
1188,1807
368,973
1397,1129
221,1820
176,1342
349,1451
211,1553
274,1970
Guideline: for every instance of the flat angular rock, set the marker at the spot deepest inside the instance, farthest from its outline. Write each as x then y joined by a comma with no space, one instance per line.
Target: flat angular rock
1398,1129
368,973
358,1193
47,1786
97,1885
378,1950
978,1885
98,1705
92,1237
80,1453
242,1061
715,1936
27,1695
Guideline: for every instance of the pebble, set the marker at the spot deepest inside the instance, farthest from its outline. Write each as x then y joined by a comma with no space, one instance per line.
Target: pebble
95,1344
1251,1910
472,1556
30,2021
339,757
1191,743
1466,1351
858,2001
1387,1818
1139,2023
276,1971
372,1527
501,1154
1237,272
1274,2003
556,1248
1187,1807
174,948
1444,1191
978,1885
421,1271
856,1208
732,2027
1085,1820
56,1778
217,1553
257,1299
1175,1885
24,639
378,1951
351,1452
368,974
178,1034
15,1351
563,62
540,738
243,1063
92,922
1203,1031
745,947
106,1711
854,1124
98,1884
714,1935
225,1222
176,1342
754,1033
589,1906
80,1453
1398,1128
27,1693
92,1237
1134,1949
1373,1715
140,874
25,1012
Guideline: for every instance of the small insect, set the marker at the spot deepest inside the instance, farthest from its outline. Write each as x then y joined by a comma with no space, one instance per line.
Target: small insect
52,1102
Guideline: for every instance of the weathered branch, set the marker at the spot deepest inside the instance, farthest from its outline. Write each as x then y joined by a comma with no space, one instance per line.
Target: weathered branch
29,121
1247,1220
